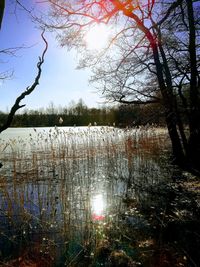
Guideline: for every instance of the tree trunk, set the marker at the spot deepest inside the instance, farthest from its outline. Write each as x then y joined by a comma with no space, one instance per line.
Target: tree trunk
165,85
169,103
174,105
167,94
194,120
2,6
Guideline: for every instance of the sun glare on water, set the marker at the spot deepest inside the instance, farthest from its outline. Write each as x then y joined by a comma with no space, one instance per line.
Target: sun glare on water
98,207
97,37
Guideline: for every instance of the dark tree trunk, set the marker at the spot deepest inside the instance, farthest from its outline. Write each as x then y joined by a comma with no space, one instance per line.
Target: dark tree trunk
165,84
174,107
2,6
194,120
169,103
167,93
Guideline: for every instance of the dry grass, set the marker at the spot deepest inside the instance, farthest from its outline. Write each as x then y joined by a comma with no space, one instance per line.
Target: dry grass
48,180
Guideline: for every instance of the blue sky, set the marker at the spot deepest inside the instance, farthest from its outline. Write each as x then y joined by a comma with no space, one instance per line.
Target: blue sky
60,81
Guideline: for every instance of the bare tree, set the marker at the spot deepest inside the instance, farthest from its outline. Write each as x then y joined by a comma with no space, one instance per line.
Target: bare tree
144,34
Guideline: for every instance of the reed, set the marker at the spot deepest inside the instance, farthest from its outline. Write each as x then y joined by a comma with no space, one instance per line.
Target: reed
49,180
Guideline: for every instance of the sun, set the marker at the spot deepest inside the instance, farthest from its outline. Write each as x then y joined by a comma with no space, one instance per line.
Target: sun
97,37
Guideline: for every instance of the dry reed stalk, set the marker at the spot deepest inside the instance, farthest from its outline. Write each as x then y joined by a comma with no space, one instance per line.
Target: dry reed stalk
66,168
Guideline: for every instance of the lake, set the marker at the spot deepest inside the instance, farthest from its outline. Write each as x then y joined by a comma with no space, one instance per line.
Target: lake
84,196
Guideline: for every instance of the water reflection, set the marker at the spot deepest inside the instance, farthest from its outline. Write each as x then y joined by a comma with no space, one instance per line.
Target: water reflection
98,207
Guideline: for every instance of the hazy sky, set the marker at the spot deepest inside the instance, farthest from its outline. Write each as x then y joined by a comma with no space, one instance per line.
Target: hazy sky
60,81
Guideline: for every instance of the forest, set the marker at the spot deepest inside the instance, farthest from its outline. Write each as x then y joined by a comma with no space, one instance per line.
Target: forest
78,114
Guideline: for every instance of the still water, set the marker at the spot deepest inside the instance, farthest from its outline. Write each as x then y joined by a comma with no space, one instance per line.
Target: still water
68,193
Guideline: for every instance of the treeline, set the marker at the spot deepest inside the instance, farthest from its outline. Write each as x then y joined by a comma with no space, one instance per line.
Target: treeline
80,115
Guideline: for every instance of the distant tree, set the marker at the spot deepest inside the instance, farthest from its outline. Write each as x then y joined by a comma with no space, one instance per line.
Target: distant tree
143,58
128,115
80,107
51,109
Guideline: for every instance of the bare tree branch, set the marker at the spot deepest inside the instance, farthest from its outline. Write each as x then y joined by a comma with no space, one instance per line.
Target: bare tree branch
28,90
145,102
170,9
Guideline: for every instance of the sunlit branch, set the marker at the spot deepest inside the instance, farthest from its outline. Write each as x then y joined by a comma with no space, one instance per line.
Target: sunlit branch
80,12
